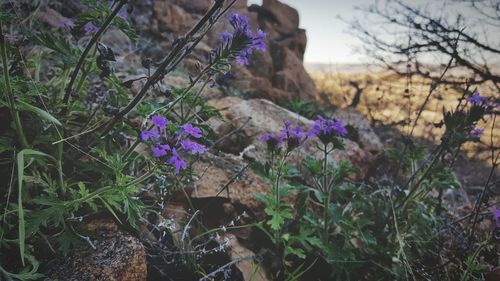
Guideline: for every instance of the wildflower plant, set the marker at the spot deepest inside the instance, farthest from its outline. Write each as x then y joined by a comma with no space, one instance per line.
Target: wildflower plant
72,149
290,244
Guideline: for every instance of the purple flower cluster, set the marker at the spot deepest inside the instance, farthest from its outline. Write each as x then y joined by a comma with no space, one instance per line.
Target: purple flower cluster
290,136
168,145
477,99
327,129
496,216
476,133
242,39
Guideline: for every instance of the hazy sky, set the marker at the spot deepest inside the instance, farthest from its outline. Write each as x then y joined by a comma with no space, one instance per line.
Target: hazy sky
327,40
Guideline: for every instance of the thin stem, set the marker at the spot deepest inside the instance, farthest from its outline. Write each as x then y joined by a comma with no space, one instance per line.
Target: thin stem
142,178
421,179
197,96
9,93
60,148
65,75
277,194
91,43
326,194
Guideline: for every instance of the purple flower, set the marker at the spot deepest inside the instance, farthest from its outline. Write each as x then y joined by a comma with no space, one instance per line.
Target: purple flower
193,147
477,99
288,132
258,41
177,161
292,136
242,40
492,106
122,14
160,122
147,134
269,137
226,37
161,150
65,23
327,129
89,28
240,24
273,141
496,216
476,133
243,57
192,131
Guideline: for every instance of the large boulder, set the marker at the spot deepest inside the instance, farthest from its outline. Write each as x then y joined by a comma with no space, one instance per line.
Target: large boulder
276,74
173,18
290,74
229,176
363,131
285,19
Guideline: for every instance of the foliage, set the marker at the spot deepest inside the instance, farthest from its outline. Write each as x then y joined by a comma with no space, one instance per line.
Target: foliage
306,108
79,145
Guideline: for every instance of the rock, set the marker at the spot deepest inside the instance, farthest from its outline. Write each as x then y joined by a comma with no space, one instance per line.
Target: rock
286,18
258,87
173,18
195,6
365,134
216,171
247,265
50,16
256,117
117,41
117,256
276,73
290,74
296,42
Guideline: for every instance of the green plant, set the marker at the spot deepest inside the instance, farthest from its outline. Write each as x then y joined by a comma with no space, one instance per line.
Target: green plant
306,108
72,150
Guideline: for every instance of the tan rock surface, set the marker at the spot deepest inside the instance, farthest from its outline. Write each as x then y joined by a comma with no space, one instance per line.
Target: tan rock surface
118,256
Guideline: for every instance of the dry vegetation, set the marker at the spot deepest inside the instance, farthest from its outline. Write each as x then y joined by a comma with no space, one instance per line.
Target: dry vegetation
388,99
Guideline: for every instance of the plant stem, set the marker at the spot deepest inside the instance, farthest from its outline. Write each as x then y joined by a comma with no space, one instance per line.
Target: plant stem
91,43
142,178
9,94
59,149
326,194
277,195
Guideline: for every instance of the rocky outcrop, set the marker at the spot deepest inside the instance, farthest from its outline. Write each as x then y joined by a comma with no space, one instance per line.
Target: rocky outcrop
276,74
111,255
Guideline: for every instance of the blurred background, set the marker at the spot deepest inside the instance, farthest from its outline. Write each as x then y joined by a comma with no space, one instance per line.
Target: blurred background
386,57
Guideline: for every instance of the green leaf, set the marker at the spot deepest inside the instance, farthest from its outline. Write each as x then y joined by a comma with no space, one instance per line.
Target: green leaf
277,217
20,179
110,209
40,112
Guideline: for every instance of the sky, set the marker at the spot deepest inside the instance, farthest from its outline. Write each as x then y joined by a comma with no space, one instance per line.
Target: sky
328,41
328,38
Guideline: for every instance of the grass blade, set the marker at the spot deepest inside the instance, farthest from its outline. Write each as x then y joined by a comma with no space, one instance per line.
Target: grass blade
40,112
20,211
